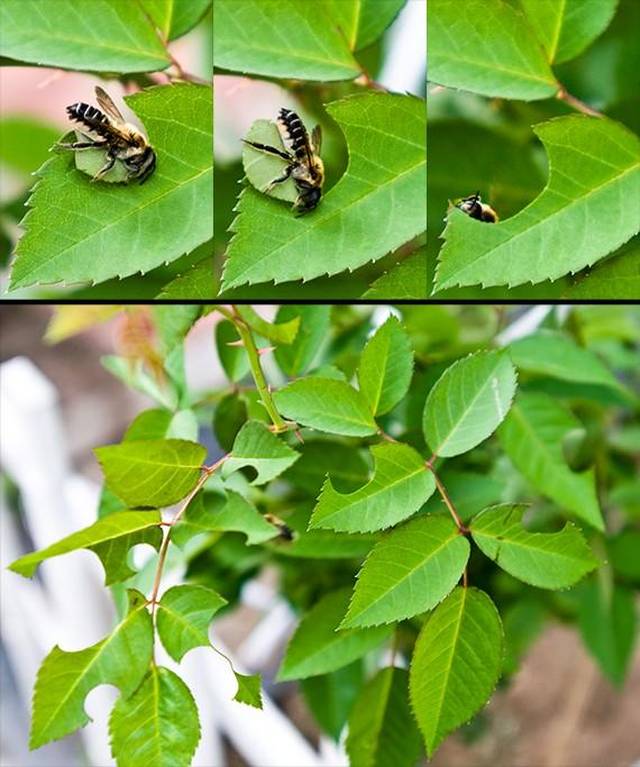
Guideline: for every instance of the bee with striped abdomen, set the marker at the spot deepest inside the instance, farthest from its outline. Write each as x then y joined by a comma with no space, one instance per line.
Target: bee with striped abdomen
474,207
108,130
302,155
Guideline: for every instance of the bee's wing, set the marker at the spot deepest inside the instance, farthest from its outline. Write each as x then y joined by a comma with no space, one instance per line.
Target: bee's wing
107,105
316,139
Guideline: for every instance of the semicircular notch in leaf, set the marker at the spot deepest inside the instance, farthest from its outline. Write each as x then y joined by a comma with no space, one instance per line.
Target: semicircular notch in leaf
468,402
587,210
378,205
546,560
487,48
99,36
400,485
282,38
115,230
261,449
456,663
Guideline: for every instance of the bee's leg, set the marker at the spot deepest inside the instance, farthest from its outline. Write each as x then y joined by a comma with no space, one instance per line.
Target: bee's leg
79,145
269,150
110,162
280,179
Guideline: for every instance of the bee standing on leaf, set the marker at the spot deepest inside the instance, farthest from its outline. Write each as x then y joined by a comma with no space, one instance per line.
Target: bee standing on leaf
302,155
475,208
108,130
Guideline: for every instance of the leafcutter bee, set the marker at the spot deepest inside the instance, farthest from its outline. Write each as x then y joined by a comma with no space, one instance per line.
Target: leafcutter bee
474,207
302,156
285,533
108,130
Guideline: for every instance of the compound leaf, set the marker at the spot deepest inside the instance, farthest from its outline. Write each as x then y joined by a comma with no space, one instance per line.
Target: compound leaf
100,36
378,205
157,725
546,560
327,405
386,366
256,446
115,230
565,29
408,572
153,472
456,663
317,645
183,618
532,436
110,538
587,210
282,38
66,678
400,485
487,48
468,402
382,730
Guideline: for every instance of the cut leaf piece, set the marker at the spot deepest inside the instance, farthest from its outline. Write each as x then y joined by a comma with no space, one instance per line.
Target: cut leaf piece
183,617
153,472
409,572
546,560
110,538
532,436
167,216
400,485
468,402
456,664
101,36
256,446
66,678
158,725
377,206
386,366
382,730
327,405
210,513
586,211
486,48
249,689
281,38
317,645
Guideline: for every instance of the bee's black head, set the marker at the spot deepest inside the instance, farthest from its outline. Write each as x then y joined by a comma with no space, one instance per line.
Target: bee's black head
307,200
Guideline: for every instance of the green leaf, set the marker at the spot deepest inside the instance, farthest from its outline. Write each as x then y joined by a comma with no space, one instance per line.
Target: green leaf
154,472
110,538
278,332
386,367
377,206
374,16
400,485
623,549
554,354
565,29
249,689
259,448
317,645
162,424
468,402
314,328
586,211
101,36
546,560
486,48
158,725
330,697
66,678
135,376
615,279
169,215
407,280
608,623
281,38
326,405
382,730
197,283
532,436
186,14
210,513
183,618
344,464
233,358
410,571
456,664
